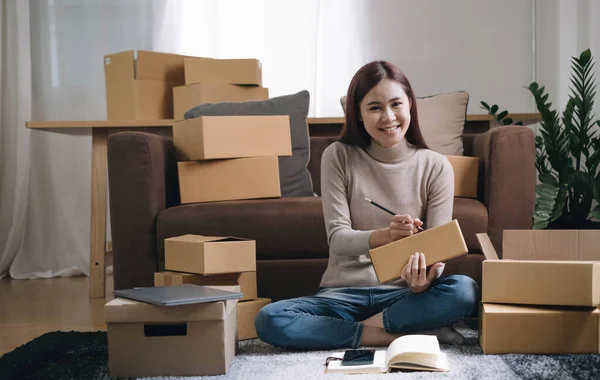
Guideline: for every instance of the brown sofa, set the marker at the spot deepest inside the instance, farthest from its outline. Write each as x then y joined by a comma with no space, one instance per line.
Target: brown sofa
290,234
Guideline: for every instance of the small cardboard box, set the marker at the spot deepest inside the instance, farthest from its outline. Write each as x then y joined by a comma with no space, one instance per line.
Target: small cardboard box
187,97
439,244
246,314
536,282
217,137
506,329
246,281
141,88
551,245
229,179
225,71
466,175
146,340
210,255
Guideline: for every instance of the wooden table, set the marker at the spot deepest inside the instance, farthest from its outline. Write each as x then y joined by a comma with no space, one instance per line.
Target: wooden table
102,129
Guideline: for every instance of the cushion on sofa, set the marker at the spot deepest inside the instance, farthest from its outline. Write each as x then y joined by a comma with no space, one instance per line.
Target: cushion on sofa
293,175
442,120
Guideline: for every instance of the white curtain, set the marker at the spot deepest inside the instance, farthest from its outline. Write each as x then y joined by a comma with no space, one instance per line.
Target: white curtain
15,109
53,51
312,45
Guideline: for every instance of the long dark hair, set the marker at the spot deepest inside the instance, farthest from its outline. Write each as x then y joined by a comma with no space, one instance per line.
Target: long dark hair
367,77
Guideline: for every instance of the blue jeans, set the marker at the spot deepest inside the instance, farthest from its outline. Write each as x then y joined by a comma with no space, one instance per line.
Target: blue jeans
331,318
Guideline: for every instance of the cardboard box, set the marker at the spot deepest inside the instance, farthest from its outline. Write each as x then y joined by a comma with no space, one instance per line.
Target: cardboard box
229,179
141,88
225,71
187,97
216,137
210,255
537,282
439,244
508,329
245,280
551,245
466,175
146,340
246,314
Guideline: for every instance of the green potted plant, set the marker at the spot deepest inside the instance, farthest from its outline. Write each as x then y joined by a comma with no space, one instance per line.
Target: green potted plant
567,153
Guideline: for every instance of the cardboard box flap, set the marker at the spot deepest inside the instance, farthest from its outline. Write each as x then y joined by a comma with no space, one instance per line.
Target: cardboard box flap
487,247
121,310
206,239
159,66
119,67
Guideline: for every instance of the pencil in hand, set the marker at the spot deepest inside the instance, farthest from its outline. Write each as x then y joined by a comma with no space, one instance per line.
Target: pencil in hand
385,209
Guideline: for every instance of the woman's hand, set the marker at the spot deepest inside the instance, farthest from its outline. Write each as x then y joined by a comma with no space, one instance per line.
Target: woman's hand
416,275
403,226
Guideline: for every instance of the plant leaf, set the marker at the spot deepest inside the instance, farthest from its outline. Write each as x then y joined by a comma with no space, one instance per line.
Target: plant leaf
540,225
548,179
596,212
507,121
494,109
502,115
485,106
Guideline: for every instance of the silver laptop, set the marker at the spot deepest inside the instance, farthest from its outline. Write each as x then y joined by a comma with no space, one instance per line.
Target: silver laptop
177,294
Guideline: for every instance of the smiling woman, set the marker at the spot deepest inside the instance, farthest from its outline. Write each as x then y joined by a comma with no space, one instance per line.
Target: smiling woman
381,153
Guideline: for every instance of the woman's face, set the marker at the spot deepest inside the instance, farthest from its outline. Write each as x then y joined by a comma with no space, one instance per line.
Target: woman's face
385,112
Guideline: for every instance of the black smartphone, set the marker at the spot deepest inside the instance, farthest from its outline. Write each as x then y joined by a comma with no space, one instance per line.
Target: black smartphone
358,357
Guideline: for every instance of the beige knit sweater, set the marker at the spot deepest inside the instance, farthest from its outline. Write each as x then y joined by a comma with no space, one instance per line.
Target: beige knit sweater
407,180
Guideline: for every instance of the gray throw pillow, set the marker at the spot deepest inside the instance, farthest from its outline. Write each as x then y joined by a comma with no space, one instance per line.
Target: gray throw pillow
294,177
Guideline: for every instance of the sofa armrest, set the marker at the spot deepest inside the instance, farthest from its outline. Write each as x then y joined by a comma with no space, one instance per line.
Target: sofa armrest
142,177
507,155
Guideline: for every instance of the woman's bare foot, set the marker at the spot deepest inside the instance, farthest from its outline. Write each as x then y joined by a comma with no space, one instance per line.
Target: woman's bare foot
375,336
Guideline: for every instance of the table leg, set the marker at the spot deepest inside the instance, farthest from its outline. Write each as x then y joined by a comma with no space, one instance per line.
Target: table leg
98,214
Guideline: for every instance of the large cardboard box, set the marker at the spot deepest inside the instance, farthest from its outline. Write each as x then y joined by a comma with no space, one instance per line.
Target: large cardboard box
439,244
551,245
141,88
229,179
466,175
536,282
508,329
216,137
225,71
187,97
146,340
246,314
210,255
245,280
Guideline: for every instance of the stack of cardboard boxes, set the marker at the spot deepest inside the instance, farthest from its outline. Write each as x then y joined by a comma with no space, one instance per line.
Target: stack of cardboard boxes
218,80
542,297
146,85
214,261
230,157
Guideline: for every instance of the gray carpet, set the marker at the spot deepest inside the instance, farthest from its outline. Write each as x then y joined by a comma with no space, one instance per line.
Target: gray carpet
80,355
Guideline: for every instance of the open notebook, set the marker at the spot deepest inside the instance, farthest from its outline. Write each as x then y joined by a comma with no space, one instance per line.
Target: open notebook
414,352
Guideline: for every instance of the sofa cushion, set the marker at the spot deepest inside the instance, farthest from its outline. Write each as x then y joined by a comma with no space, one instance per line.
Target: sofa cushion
472,218
442,120
284,228
293,175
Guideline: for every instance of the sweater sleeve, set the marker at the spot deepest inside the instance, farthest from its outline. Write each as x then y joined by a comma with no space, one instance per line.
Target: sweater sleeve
440,199
342,239
440,195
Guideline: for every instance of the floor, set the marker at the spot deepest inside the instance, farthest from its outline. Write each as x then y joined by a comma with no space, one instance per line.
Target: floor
30,308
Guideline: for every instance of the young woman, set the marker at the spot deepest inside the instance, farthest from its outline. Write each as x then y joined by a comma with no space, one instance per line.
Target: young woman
381,155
